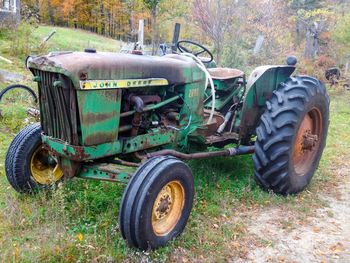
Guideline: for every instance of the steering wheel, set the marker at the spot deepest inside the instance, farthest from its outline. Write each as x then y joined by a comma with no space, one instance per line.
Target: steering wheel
197,50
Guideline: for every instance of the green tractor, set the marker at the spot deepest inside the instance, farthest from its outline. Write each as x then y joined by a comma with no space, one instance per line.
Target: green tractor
134,119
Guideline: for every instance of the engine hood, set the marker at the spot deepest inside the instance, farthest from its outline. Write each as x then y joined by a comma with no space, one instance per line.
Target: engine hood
78,66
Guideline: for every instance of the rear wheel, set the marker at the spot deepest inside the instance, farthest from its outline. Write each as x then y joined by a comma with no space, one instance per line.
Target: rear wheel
156,203
29,167
291,135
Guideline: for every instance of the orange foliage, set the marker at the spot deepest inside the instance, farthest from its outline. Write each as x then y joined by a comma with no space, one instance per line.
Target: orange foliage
115,18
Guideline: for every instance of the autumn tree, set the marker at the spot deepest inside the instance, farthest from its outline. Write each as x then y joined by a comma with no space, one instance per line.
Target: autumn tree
242,32
268,30
312,18
299,7
215,18
171,12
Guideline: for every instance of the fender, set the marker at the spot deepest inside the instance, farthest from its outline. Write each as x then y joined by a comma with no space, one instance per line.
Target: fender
260,86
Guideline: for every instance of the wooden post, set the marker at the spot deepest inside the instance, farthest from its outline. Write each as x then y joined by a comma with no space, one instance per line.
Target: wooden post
48,37
258,44
141,33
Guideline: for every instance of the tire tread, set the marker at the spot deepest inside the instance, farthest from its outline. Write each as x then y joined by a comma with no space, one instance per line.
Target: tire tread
275,132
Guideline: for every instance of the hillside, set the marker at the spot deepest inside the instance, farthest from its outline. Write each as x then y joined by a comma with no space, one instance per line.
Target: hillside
16,45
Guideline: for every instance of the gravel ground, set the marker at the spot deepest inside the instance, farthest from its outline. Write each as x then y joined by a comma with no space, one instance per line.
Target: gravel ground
323,238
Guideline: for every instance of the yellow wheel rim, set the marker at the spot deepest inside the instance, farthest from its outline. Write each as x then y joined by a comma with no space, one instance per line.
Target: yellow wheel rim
167,208
44,169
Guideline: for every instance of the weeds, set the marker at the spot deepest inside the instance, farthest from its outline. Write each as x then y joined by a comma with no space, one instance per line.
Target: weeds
13,117
78,220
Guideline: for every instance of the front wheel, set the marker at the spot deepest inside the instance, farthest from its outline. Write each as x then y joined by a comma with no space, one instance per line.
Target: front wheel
291,135
29,166
156,203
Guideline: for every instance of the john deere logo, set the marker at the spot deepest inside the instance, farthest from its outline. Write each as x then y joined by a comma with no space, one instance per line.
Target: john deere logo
120,84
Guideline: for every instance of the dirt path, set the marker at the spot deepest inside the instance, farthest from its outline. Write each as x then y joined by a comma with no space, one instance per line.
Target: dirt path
324,237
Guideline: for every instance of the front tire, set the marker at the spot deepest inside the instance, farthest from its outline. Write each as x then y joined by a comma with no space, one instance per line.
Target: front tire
28,165
156,203
291,135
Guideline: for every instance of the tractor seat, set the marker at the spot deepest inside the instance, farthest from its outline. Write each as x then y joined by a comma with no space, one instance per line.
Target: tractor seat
225,73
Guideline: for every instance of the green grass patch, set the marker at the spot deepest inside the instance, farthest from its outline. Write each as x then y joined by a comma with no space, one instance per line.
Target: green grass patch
75,40
78,220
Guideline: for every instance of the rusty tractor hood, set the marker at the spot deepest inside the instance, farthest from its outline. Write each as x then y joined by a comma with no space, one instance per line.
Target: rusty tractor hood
176,69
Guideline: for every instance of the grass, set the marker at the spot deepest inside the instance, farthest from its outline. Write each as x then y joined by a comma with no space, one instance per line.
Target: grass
78,221
76,40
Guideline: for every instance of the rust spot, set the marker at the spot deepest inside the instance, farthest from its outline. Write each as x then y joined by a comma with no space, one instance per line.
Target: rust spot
249,120
225,73
111,95
183,117
211,128
147,99
93,117
100,137
309,141
69,167
146,144
83,76
79,154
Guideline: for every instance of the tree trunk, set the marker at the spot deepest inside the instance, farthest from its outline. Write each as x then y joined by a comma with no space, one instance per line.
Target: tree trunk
37,10
154,30
103,22
50,10
311,44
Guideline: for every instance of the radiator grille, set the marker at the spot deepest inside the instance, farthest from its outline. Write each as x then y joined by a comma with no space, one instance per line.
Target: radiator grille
58,106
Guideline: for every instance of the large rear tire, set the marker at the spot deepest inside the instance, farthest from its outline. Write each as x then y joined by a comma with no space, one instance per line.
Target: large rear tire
156,203
28,165
291,135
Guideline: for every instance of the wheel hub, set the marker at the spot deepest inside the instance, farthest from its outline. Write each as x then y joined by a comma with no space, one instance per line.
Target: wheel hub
164,206
307,141
44,169
167,208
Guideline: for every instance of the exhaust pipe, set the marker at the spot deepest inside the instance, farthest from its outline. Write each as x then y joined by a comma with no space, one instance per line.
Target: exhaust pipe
201,155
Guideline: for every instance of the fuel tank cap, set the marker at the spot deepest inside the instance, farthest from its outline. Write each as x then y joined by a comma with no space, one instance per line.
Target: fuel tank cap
292,60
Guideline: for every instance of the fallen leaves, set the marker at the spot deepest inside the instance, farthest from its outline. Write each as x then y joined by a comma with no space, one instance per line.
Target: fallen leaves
316,229
336,248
